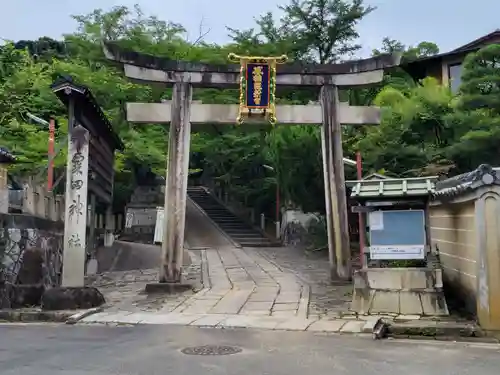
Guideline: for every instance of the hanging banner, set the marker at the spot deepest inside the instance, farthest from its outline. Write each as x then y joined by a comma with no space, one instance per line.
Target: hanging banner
257,86
257,90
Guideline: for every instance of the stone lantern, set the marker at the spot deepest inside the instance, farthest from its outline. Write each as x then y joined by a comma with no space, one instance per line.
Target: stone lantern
6,158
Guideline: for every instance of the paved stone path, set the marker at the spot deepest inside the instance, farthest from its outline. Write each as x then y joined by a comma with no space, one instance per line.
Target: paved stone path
241,288
326,298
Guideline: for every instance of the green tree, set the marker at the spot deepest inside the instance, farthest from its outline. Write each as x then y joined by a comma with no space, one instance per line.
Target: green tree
476,121
423,49
310,30
411,137
412,134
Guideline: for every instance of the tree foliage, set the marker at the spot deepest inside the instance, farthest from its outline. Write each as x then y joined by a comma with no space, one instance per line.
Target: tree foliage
424,128
476,119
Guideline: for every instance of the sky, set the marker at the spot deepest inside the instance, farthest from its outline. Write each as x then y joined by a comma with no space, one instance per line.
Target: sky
448,23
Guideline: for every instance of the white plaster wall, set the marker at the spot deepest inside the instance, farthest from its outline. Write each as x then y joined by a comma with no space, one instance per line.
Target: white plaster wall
141,216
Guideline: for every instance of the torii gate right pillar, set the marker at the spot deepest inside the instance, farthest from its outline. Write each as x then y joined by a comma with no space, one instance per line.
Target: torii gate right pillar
335,193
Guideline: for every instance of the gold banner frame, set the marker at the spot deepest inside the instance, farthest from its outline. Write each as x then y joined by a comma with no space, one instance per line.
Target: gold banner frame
244,111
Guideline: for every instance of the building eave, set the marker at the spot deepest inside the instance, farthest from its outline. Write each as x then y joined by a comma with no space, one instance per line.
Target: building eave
459,185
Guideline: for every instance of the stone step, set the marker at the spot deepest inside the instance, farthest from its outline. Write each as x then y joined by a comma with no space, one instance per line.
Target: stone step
233,226
245,232
259,244
233,223
252,238
238,230
217,211
255,239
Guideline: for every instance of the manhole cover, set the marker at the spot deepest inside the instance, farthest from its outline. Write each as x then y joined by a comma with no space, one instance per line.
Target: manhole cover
211,350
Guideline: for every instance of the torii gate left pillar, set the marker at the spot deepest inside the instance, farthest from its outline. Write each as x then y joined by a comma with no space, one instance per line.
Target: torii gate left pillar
176,184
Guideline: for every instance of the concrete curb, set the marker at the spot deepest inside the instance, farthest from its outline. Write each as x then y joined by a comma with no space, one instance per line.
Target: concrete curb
41,316
438,330
35,316
73,319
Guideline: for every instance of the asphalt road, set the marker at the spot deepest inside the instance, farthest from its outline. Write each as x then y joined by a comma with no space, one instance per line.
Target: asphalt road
151,350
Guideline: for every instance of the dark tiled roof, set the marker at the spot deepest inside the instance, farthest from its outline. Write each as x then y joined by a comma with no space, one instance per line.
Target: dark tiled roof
6,156
469,47
65,87
476,43
466,182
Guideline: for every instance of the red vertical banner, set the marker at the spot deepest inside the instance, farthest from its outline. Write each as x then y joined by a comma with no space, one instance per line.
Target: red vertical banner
50,171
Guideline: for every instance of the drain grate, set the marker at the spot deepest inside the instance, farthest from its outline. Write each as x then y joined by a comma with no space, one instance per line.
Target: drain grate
211,350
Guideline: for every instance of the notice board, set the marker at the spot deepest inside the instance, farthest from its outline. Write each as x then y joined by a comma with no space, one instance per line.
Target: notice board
397,234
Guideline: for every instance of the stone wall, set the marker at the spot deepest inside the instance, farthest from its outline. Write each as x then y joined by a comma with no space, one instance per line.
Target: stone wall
39,202
294,227
453,233
30,253
465,228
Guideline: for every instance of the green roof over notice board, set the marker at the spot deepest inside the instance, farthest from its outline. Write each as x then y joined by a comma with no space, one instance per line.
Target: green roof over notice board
392,187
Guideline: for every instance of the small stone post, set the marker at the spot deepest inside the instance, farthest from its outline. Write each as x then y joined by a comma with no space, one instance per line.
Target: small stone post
92,224
4,189
119,222
109,236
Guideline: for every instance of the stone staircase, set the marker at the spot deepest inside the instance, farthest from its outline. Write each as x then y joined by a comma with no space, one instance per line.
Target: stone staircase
238,230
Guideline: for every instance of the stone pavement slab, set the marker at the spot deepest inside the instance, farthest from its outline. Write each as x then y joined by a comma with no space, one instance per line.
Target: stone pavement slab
179,319
284,313
353,326
212,320
288,297
296,324
257,306
241,288
327,325
285,306
232,302
312,269
242,321
256,312
201,306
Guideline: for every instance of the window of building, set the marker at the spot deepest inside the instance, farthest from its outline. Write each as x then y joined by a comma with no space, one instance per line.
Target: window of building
455,74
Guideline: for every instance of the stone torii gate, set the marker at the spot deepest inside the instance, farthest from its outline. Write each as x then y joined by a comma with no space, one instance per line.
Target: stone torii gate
181,113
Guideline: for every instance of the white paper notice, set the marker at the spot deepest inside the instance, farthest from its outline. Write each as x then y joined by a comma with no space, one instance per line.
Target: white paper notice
377,220
160,219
